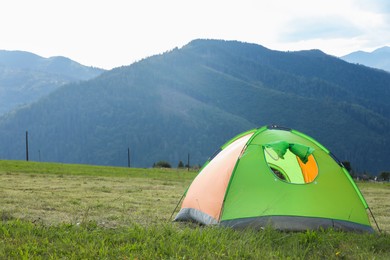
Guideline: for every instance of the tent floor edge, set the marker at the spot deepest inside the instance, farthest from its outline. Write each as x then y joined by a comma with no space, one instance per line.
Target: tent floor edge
295,223
195,215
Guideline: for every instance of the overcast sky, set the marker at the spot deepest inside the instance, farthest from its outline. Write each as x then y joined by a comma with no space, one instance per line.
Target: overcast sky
112,33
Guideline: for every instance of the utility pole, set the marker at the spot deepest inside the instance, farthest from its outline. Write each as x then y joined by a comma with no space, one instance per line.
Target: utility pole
188,162
128,157
26,145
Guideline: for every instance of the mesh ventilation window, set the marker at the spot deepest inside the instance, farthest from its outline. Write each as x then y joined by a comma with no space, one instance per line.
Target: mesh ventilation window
290,168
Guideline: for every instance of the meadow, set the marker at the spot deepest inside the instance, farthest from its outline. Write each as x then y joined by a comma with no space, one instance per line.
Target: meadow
51,211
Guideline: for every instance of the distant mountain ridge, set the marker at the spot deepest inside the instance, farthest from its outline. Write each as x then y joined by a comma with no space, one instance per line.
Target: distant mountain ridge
379,58
25,77
193,99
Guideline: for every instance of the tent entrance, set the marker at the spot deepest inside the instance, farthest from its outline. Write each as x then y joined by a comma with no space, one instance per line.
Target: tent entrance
289,167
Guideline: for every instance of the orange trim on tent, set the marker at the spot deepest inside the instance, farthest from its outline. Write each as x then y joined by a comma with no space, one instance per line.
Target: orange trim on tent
309,170
208,189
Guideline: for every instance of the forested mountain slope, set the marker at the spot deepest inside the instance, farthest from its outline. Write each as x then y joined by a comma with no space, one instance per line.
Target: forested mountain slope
25,77
193,99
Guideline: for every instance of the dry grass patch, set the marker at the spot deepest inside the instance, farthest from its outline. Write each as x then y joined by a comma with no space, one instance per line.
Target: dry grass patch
377,195
108,201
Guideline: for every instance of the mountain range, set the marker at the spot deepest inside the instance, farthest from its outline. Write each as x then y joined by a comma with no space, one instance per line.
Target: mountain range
191,100
25,77
379,58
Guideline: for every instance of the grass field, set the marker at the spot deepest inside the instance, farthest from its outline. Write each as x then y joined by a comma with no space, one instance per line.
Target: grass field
52,211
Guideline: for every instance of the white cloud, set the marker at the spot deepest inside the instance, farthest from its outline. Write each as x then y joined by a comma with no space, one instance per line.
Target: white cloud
117,32
315,27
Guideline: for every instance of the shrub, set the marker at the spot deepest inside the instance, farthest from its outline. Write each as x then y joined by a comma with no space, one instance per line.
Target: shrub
162,164
180,165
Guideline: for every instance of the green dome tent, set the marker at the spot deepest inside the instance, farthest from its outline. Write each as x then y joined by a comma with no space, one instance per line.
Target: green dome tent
275,176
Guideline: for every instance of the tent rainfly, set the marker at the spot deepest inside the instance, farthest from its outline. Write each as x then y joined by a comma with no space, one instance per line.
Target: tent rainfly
279,177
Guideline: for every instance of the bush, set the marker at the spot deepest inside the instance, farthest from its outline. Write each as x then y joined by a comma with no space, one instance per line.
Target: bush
162,164
385,176
180,165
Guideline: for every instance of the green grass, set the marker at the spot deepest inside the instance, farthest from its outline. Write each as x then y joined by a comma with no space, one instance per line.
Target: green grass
53,211
7,166
26,240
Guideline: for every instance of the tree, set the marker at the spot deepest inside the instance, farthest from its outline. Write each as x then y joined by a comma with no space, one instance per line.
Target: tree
162,164
180,165
347,165
385,176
